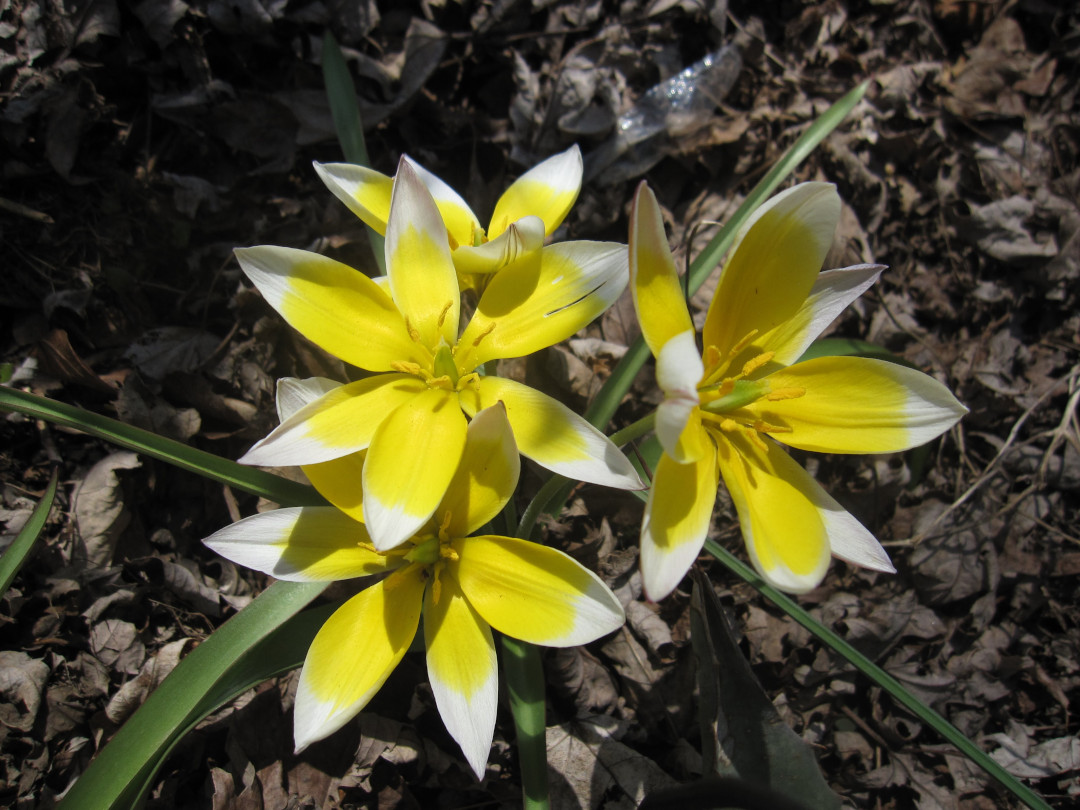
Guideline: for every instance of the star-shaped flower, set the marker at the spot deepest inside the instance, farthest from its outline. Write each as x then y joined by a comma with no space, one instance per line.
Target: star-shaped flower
411,414
531,209
726,414
464,586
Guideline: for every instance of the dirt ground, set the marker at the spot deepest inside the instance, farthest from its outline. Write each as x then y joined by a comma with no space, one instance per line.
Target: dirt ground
140,142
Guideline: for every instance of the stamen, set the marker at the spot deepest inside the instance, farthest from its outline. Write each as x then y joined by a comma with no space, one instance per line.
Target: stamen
466,380
752,365
729,425
483,335
440,382
765,427
436,589
742,344
445,309
443,526
712,356
414,335
756,440
785,393
407,367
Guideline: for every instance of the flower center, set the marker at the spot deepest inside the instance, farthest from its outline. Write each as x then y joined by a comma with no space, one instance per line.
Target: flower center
432,550
722,395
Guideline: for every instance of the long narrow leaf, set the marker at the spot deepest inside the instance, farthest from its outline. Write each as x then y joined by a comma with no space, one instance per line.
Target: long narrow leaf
19,550
281,651
120,772
341,93
248,479
878,676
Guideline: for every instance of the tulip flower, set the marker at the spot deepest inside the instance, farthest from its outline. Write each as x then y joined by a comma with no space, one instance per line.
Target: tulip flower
728,410
410,416
463,585
529,210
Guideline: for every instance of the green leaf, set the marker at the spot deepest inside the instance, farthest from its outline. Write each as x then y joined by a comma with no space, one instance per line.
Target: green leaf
16,554
248,479
742,734
878,676
849,347
341,92
253,645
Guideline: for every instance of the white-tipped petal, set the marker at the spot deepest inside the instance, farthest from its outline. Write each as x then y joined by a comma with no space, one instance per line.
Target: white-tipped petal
462,670
301,544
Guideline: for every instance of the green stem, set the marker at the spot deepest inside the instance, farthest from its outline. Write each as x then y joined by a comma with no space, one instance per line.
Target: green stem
880,677
525,684
634,430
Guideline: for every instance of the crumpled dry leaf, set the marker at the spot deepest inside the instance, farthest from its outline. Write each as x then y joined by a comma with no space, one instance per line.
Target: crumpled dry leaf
165,349
100,512
116,644
1001,229
132,694
588,760
22,684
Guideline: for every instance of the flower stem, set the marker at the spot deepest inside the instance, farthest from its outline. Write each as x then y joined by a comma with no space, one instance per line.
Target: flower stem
525,683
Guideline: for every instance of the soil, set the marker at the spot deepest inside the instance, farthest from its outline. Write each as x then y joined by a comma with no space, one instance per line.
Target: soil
143,142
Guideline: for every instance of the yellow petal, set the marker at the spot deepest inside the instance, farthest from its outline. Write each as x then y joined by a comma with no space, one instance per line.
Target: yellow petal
678,371
520,238
341,422
337,308
773,266
552,435
486,477
654,282
301,544
338,480
548,190
461,223
409,465
542,298
858,405
293,393
462,670
422,275
354,653
676,520
534,593
783,530
830,295
365,191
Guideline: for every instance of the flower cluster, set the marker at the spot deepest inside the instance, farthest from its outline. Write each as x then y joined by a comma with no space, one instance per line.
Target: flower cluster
419,455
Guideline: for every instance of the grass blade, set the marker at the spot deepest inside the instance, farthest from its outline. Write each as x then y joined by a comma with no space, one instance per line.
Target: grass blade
880,677
19,550
341,93
216,468
120,773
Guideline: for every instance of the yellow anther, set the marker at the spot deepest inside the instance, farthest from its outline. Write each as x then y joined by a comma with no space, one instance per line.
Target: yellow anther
742,344
752,365
407,367
729,425
440,382
712,356
466,380
757,441
414,335
436,589
448,552
483,335
765,427
445,309
444,525
785,393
